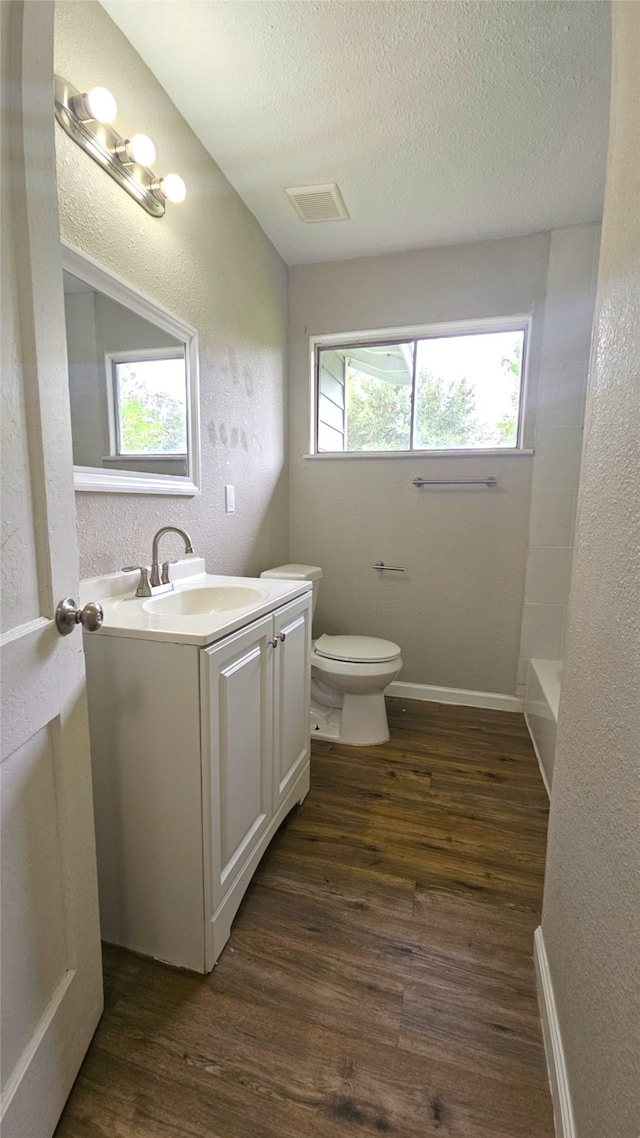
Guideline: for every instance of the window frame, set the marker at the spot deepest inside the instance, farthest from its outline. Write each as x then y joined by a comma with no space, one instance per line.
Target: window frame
515,322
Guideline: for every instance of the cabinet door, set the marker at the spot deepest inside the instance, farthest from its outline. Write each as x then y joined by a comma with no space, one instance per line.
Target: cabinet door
236,687
292,672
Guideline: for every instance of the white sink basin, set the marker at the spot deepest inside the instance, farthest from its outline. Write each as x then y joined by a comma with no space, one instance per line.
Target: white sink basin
208,599
202,608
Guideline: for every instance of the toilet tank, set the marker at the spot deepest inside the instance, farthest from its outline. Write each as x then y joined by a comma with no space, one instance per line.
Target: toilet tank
311,573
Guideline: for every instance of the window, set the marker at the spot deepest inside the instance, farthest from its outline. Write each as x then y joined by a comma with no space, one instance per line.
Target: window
431,392
149,402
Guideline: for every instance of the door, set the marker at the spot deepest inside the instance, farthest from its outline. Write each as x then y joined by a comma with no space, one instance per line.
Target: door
51,982
237,749
292,677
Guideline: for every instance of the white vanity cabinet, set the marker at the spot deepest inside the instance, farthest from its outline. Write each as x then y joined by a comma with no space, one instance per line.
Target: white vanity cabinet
198,754
255,715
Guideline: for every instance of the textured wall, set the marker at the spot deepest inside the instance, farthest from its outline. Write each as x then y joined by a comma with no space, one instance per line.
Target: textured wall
456,613
591,914
209,262
566,343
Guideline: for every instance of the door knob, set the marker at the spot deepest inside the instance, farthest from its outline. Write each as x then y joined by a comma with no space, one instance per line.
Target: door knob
68,615
282,636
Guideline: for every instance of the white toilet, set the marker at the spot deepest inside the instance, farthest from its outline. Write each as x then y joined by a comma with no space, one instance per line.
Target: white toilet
349,675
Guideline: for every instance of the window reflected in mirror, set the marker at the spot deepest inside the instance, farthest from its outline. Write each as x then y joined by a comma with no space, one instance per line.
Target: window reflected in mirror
127,385
149,403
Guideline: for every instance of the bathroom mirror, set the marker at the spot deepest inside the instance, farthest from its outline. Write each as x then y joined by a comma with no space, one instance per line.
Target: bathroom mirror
133,386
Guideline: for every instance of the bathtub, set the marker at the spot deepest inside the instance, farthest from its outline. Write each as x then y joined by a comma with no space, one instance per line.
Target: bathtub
542,699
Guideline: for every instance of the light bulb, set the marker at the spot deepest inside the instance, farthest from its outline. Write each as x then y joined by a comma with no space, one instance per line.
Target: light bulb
101,104
141,149
173,188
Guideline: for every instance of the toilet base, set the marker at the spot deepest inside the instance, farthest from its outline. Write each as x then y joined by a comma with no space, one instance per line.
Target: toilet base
324,723
360,722
363,721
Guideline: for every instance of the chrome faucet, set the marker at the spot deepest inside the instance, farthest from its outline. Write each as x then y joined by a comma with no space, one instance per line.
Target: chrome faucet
155,566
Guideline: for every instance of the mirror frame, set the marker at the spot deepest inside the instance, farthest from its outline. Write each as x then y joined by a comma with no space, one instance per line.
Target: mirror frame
94,479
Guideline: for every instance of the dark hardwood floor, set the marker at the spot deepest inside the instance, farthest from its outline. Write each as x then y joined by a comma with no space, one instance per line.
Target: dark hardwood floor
379,976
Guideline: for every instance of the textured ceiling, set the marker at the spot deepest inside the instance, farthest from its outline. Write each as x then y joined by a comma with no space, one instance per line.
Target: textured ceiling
441,121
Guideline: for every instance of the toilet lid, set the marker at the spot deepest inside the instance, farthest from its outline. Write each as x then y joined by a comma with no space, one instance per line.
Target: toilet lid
357,649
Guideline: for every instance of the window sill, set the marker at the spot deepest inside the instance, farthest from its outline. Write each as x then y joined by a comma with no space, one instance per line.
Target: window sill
118,459
496,452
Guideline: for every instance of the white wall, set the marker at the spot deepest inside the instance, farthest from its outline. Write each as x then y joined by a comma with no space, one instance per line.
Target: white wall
456,612
209,262
591,913
566,343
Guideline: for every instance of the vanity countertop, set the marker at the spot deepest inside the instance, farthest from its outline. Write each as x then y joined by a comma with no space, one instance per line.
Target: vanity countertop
130,616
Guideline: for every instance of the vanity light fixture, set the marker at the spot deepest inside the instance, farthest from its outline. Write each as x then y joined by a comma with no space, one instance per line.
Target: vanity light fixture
98,104
139,149
172,187
87,118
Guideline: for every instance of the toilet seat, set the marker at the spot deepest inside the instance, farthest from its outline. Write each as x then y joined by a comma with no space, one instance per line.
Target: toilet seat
370,669
356,649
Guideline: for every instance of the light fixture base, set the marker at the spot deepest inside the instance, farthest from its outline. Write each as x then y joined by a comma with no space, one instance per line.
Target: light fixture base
102,143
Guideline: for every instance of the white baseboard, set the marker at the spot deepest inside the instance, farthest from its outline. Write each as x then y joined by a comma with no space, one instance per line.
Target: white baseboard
538,757
556,1066
494,700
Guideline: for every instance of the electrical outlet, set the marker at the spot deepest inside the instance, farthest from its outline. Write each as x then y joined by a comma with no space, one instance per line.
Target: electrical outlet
230,499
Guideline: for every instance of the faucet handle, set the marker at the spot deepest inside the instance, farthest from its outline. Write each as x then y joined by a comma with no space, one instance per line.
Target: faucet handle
165,579
144,588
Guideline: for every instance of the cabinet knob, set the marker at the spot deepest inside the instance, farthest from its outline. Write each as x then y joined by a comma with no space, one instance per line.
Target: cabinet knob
274,642
282,636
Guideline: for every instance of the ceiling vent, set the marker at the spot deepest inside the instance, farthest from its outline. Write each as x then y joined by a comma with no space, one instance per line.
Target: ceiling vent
318,203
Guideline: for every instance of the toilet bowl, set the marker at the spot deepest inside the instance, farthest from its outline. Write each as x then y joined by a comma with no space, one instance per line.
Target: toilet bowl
349,675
